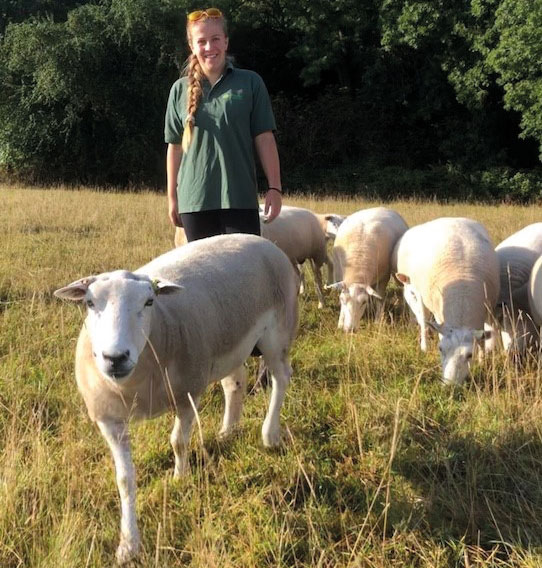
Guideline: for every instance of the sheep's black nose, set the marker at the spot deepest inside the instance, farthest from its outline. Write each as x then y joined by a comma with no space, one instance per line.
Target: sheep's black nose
116,360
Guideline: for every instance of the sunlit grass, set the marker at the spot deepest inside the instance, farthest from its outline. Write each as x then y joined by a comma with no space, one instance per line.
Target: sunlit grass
380,465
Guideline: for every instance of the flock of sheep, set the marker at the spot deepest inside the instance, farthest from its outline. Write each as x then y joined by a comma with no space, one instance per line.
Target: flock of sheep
454,280
153,339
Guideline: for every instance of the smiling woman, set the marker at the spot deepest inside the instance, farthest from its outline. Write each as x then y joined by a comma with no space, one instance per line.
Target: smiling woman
216,116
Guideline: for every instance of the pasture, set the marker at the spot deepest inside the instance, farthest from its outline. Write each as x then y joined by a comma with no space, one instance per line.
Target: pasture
380,464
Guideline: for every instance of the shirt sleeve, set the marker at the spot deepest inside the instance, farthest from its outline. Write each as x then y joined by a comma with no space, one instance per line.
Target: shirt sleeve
262,118
173,124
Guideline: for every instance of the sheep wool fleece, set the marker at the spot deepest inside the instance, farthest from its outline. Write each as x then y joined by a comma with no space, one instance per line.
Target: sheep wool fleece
219,170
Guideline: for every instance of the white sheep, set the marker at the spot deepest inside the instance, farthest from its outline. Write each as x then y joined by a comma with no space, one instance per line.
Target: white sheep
298,233
449,268
155,338
535,292
362,260
517,255
330,223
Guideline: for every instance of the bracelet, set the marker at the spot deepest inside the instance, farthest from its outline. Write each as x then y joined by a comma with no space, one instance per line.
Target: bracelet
276,189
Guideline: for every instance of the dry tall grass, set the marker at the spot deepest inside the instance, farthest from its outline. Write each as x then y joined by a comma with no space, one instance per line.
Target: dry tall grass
380,466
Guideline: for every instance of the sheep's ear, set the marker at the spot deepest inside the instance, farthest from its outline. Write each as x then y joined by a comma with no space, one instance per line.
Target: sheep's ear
484,334
162,286
372,292
402,278
439,328
75,291
335,286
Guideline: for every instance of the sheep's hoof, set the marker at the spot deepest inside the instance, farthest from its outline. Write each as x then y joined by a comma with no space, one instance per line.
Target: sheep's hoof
127,551
227,432
181,472
271,438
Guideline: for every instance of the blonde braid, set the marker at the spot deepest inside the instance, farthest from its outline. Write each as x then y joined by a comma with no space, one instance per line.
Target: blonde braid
195,75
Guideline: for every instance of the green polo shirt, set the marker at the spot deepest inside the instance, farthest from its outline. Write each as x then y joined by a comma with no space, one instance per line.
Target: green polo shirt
219,171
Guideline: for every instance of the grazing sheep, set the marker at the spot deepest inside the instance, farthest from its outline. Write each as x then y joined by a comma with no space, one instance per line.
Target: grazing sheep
517,255
155,338
449,268
362,260
330,223
294,231
297,232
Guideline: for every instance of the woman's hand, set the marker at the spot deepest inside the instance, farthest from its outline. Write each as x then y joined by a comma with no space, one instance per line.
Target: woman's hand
173,162
266,148
273,204
173,211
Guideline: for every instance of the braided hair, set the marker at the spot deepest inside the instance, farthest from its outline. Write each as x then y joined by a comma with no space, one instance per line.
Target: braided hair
192,69
195,76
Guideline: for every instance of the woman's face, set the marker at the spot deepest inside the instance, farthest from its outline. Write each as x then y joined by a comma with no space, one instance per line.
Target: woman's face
209,44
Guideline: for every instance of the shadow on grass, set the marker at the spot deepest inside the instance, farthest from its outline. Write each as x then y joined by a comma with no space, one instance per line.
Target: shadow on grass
484,491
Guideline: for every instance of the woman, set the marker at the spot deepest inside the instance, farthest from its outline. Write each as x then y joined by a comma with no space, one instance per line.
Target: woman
216,116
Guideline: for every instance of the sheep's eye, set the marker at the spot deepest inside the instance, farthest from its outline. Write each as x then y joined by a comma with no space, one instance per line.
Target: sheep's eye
149,302
469,356
90,304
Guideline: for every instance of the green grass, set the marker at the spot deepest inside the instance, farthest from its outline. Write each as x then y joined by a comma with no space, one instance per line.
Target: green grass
380,465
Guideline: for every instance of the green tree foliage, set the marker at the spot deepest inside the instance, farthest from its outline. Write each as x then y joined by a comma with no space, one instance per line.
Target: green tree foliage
89,91
400,83
455,39
19,10
517,58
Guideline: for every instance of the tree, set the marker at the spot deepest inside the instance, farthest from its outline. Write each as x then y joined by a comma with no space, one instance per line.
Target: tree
457,37
84,98
516,58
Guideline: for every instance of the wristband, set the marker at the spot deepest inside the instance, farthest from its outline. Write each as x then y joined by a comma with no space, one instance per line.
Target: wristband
276,189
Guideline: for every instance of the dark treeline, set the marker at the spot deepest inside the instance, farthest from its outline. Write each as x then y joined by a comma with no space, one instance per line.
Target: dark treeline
390,97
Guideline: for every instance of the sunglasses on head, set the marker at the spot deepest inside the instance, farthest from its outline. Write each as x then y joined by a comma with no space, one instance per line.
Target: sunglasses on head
207,13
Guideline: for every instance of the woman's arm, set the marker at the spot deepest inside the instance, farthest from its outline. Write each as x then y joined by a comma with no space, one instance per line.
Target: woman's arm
173,163
266,148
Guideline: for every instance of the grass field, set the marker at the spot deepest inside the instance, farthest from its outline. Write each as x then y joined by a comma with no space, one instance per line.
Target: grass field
380,464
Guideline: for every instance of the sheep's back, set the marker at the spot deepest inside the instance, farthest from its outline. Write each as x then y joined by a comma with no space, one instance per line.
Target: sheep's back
517,255
452,263
364,245
298,233
535,292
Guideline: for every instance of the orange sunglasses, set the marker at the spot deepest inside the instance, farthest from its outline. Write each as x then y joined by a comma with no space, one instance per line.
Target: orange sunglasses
208,12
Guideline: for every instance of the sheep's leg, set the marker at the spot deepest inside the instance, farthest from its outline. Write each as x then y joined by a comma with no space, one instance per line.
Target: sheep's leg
415,302
423,329
329,264
301,274
180,435
280,378
490,344
118,438
340,324
379,310
381,291
318,283
262,379
234,386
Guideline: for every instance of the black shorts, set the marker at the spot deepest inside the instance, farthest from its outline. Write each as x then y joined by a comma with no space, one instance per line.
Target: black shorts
220,222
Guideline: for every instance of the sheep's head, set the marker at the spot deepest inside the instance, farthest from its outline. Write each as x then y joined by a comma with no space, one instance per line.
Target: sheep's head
457,346
333,223
353,300
120,306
